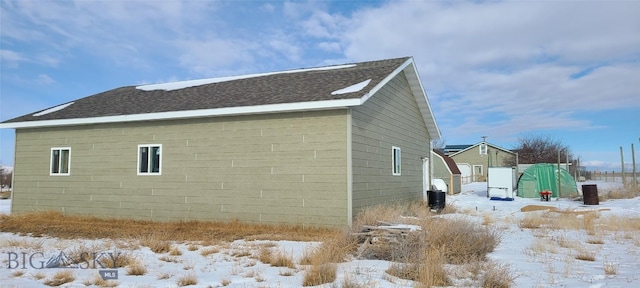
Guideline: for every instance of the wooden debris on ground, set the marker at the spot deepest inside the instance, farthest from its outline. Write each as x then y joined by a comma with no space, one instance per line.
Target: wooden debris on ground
377,241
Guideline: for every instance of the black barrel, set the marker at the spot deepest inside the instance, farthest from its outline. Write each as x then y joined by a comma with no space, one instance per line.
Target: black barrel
436,200
590,194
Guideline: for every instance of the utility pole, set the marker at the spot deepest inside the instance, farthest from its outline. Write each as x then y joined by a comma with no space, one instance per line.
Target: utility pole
622,162
559,189
633,161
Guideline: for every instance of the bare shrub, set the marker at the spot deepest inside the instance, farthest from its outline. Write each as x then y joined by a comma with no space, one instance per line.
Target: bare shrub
585,255
287,272
265,255
532,221
61,277
209,251
24,243
167,258
17,273
281,259
426,267
595,240
164,276
116,259
610,268
136,268
156,244
627,192
98,281
39,276
461,240
188,279
497,276
320,274
175,251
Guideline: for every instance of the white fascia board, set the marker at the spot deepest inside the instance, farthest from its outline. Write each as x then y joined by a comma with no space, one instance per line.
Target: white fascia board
386,80
231,111
418,92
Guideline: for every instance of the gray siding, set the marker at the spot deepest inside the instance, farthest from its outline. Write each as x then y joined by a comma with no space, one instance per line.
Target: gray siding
389,118
275,168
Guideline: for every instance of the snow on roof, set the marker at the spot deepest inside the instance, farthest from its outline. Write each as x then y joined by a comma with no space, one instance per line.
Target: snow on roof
353,88
54,109
192,83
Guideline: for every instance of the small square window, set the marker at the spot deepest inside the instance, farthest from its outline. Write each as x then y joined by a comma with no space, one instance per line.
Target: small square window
60,161
483,149
149,159
397,161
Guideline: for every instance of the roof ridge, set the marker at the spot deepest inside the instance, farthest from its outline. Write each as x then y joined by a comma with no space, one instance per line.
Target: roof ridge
175,85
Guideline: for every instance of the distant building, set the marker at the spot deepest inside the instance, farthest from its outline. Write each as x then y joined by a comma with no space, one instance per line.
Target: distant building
473,160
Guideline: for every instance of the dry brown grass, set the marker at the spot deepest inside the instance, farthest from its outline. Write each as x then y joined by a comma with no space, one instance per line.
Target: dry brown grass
61,277
17,273
98,281
175,251
58,225
39,276
421,255
23,243
627,192
136,268
610,268
320,274
497,276
188,279
281,259
585,255
209,250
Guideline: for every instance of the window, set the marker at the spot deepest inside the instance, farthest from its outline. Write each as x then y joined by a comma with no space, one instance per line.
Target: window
397,161
60,161
149,160
483,149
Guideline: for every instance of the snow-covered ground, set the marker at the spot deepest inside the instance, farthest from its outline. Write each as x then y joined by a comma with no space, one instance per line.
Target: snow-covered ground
235,264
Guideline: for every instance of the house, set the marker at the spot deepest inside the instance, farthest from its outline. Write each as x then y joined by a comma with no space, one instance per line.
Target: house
473,160
309,146
445,168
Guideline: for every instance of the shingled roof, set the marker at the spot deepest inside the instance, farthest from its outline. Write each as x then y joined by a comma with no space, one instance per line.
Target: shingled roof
326,87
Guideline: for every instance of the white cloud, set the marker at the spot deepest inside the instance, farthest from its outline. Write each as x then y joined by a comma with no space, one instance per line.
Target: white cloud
509,67
44,79
330,46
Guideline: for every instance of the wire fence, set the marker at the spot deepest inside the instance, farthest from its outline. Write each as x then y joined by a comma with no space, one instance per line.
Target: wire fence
612,176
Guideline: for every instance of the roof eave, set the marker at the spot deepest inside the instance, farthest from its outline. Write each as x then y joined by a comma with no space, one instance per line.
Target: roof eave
230,111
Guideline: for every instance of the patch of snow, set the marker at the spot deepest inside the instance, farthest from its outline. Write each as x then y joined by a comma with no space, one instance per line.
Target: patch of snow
54,109
193,83
353,88
5,206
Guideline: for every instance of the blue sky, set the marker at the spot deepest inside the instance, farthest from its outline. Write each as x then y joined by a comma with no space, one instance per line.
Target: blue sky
569,70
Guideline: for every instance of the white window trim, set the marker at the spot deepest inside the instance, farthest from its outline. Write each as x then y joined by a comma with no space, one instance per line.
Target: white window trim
159,164
486,149
60,162
393,161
